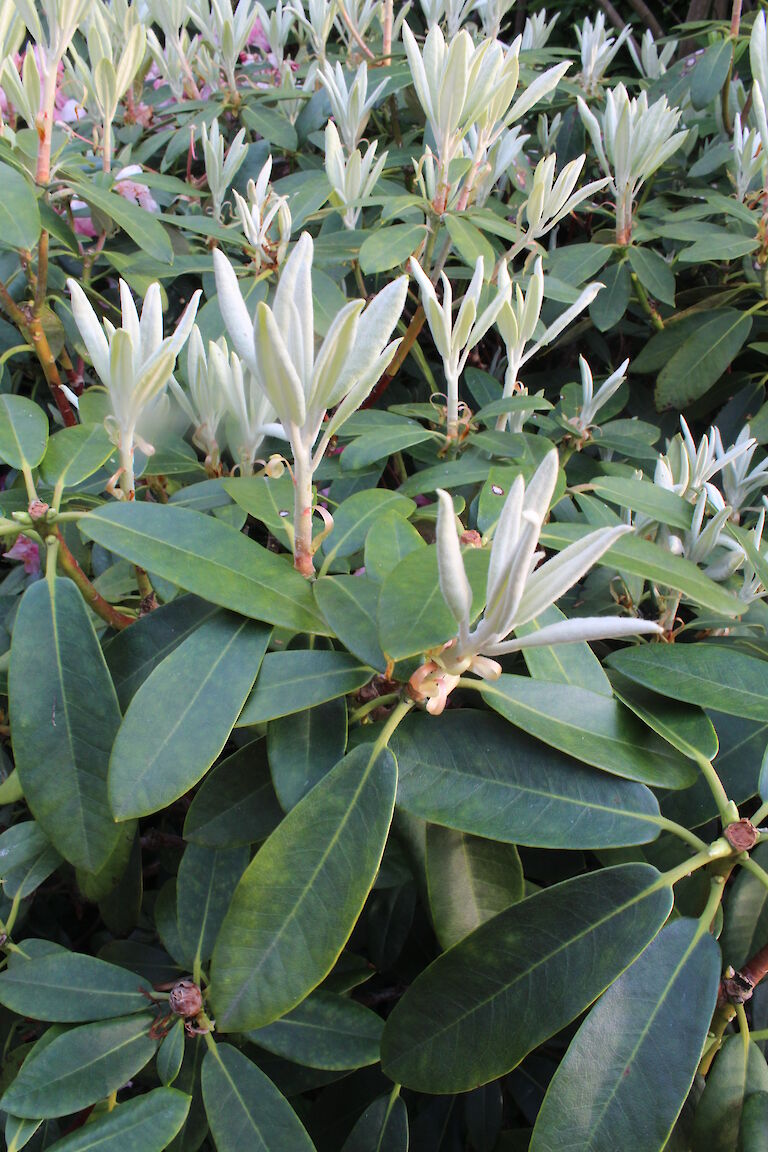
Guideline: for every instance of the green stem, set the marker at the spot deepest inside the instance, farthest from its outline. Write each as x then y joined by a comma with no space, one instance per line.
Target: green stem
761,814
716,851
754,868
716,891
371,706
726,808
676,829
389,728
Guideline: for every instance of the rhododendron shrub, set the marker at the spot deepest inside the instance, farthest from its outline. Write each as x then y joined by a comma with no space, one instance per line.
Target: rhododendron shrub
383,663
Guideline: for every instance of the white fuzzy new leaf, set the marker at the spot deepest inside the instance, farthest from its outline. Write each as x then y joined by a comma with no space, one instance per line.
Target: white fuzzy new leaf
516,590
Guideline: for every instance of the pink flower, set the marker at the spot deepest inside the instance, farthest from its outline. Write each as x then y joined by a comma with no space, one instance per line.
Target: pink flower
131,190
28,552
84,225
258,37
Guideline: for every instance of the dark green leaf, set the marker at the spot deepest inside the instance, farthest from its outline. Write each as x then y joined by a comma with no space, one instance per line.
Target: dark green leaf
205,556
470,879
271,124
324,1031
137,650
236,803
623,1081
349,605
739,1071
383,1127
469,772
80,1066
353,518
710,675
611,302
245,1110
19,211
381,443
643,496
702,359
389,541
69,987
590,727
478,1009
74,454
23,430
179,720
390,247
148,1122
685,726
297,679
170,1054
643,558
205,883
141,226
303,747
654,274
710,73
298,901
65,716
745,921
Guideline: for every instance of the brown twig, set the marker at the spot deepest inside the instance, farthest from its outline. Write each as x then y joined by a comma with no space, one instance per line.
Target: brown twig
355,34
647,17
100,606
407,342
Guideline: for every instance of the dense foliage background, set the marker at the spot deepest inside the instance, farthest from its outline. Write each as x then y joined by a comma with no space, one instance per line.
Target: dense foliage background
384,675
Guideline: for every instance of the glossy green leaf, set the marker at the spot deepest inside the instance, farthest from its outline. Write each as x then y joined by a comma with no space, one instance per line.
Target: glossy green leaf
170,1054
137,650
179,720
468,771
470,879
206,880
413,616
70,987
739,1071
207,557
74,454
710,675
390,247
745,919
303,747
754,1122
389,541
478,1009
610,304
18,1132
643,496
271,124
685,726
97,886
630,1066
245,1109
702,358
710,72
236,803
63,730
19,211
349,605
573,663
654,273
650,561
23,431
267,499
80,1066
299,899
591,728
353,518
142,227
297,679
468,240
383,1127
147,1122
381,443
324,1031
